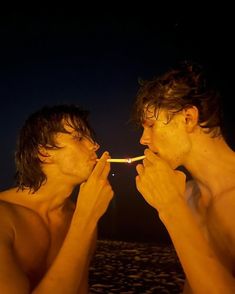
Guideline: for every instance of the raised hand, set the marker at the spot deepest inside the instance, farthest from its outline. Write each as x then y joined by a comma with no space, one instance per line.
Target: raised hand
96,193
159,184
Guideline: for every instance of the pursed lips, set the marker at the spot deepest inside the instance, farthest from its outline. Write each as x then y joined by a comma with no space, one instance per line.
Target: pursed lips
94,158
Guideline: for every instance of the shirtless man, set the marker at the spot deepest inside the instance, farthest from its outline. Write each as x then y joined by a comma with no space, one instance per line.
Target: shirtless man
181,122
47,240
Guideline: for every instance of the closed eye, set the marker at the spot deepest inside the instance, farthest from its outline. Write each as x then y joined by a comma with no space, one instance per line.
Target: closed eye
148,124
77,137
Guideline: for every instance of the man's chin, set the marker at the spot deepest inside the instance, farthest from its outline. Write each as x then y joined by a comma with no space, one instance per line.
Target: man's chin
170,162
89,172
84,178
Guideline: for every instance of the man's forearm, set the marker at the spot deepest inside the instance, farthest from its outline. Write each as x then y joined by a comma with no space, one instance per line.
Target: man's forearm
68,269
84,285
204,271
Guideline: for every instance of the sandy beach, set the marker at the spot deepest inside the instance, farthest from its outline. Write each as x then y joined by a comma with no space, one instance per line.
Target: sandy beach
133,267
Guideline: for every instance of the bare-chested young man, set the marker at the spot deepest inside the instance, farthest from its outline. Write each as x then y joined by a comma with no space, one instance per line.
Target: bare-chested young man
46,241
181,120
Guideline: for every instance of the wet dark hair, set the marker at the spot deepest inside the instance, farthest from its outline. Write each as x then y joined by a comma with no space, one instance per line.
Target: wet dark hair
179,89
39,130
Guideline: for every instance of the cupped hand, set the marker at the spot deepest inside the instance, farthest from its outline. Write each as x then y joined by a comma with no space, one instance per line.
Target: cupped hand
158,183
96,193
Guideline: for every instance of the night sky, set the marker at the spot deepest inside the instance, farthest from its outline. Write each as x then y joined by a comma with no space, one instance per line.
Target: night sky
94,59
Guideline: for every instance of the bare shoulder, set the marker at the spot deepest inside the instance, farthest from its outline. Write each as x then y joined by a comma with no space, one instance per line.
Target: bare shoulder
7,208
20,241
15,219
11,203
224,205
14,214
6,221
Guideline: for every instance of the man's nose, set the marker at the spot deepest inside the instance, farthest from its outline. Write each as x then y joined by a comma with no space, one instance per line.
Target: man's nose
145,139
92,144
96,146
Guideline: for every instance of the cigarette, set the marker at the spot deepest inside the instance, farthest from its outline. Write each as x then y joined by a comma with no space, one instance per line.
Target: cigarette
125,160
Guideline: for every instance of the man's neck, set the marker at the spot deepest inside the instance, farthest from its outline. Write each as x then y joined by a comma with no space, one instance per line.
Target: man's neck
50,198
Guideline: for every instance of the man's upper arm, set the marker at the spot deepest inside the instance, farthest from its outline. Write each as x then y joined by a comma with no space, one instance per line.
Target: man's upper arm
12,277
187,289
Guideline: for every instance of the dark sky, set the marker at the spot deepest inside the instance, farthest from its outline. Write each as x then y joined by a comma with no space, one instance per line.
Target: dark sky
82,56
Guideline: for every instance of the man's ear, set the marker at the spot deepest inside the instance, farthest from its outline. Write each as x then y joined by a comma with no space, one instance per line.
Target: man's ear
44,154
191,118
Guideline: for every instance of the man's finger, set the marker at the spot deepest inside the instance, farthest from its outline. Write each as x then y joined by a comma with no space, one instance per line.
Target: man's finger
105,171
140,169
146,162
97,171
151,156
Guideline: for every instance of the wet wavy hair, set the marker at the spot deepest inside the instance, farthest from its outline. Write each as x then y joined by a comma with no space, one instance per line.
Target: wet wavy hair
179,89
39,130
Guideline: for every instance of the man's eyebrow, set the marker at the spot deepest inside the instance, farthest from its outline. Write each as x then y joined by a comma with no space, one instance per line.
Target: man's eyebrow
144,122
148,119
75,132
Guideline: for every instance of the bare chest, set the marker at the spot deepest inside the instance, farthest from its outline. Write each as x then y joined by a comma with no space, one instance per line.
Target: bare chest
217,232
36,245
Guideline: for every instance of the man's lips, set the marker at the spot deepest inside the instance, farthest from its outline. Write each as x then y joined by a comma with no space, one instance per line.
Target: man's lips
93,158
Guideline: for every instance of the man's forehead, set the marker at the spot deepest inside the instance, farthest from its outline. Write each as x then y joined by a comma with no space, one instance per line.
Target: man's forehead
66,129
69,130
149,112
153,113
80,128
69,127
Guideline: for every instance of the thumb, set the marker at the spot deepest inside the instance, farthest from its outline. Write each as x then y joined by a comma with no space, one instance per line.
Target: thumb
180,175
82,185
181,180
